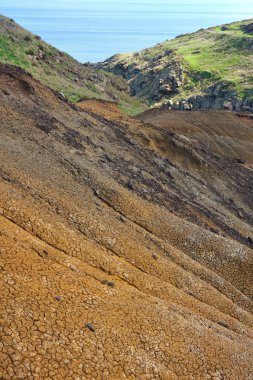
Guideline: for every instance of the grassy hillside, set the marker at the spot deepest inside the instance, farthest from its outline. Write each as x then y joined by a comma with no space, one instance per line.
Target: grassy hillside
60,71
194,61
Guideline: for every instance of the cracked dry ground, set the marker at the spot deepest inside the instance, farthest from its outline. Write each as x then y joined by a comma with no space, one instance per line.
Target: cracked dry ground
126,248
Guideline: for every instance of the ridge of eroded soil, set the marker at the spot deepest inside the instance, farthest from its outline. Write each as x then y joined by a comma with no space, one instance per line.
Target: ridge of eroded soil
126,244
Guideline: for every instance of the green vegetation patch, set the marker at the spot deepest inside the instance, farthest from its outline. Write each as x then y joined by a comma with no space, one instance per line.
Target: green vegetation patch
58,70
223,53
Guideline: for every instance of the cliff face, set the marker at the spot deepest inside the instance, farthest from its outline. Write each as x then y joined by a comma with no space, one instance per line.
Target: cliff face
209,69
126,245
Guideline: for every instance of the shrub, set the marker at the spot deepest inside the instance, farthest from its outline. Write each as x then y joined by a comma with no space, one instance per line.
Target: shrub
30,51
28,38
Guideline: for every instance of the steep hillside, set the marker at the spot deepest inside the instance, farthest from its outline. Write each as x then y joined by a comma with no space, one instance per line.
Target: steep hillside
59,71
209,69
126,247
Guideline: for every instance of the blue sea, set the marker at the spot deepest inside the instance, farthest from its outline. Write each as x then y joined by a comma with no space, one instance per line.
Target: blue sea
92,31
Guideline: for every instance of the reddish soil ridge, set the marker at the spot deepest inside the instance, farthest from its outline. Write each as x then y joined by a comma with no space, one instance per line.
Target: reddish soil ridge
126,244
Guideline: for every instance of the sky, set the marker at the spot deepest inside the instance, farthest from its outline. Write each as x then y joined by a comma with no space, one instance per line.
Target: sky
117,4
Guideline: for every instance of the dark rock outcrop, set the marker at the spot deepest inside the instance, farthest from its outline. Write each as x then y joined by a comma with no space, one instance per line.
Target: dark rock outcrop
220,96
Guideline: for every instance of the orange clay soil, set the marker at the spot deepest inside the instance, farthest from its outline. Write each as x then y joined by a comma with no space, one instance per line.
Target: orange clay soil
126,246
109,110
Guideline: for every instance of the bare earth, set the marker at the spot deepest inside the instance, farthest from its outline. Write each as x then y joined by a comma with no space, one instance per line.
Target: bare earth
126,244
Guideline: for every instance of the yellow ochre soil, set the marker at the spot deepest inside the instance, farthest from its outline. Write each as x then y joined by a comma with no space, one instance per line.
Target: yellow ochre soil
126,244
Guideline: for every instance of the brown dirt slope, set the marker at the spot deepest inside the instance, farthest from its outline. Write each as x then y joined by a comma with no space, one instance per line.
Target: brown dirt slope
109,110
222,132
126,249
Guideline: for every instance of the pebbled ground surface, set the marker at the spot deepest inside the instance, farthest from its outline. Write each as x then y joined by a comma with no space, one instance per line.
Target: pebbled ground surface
125,245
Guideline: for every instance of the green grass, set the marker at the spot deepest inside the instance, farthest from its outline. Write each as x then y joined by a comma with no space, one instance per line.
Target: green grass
131,107
225,55
222,53
8,54
57,69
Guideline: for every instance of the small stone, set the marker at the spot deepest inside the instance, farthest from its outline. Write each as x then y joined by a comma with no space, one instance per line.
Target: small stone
108,283
42,253
154,257
214,230
1,211
130,185
123,218
58,298
240,161
90,326
108,158
223,324
240,213
111,242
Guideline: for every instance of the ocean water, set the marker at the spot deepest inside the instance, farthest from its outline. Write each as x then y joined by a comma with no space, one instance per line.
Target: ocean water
92,31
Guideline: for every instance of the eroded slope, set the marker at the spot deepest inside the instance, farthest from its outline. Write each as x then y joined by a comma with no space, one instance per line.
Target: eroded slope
112,268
